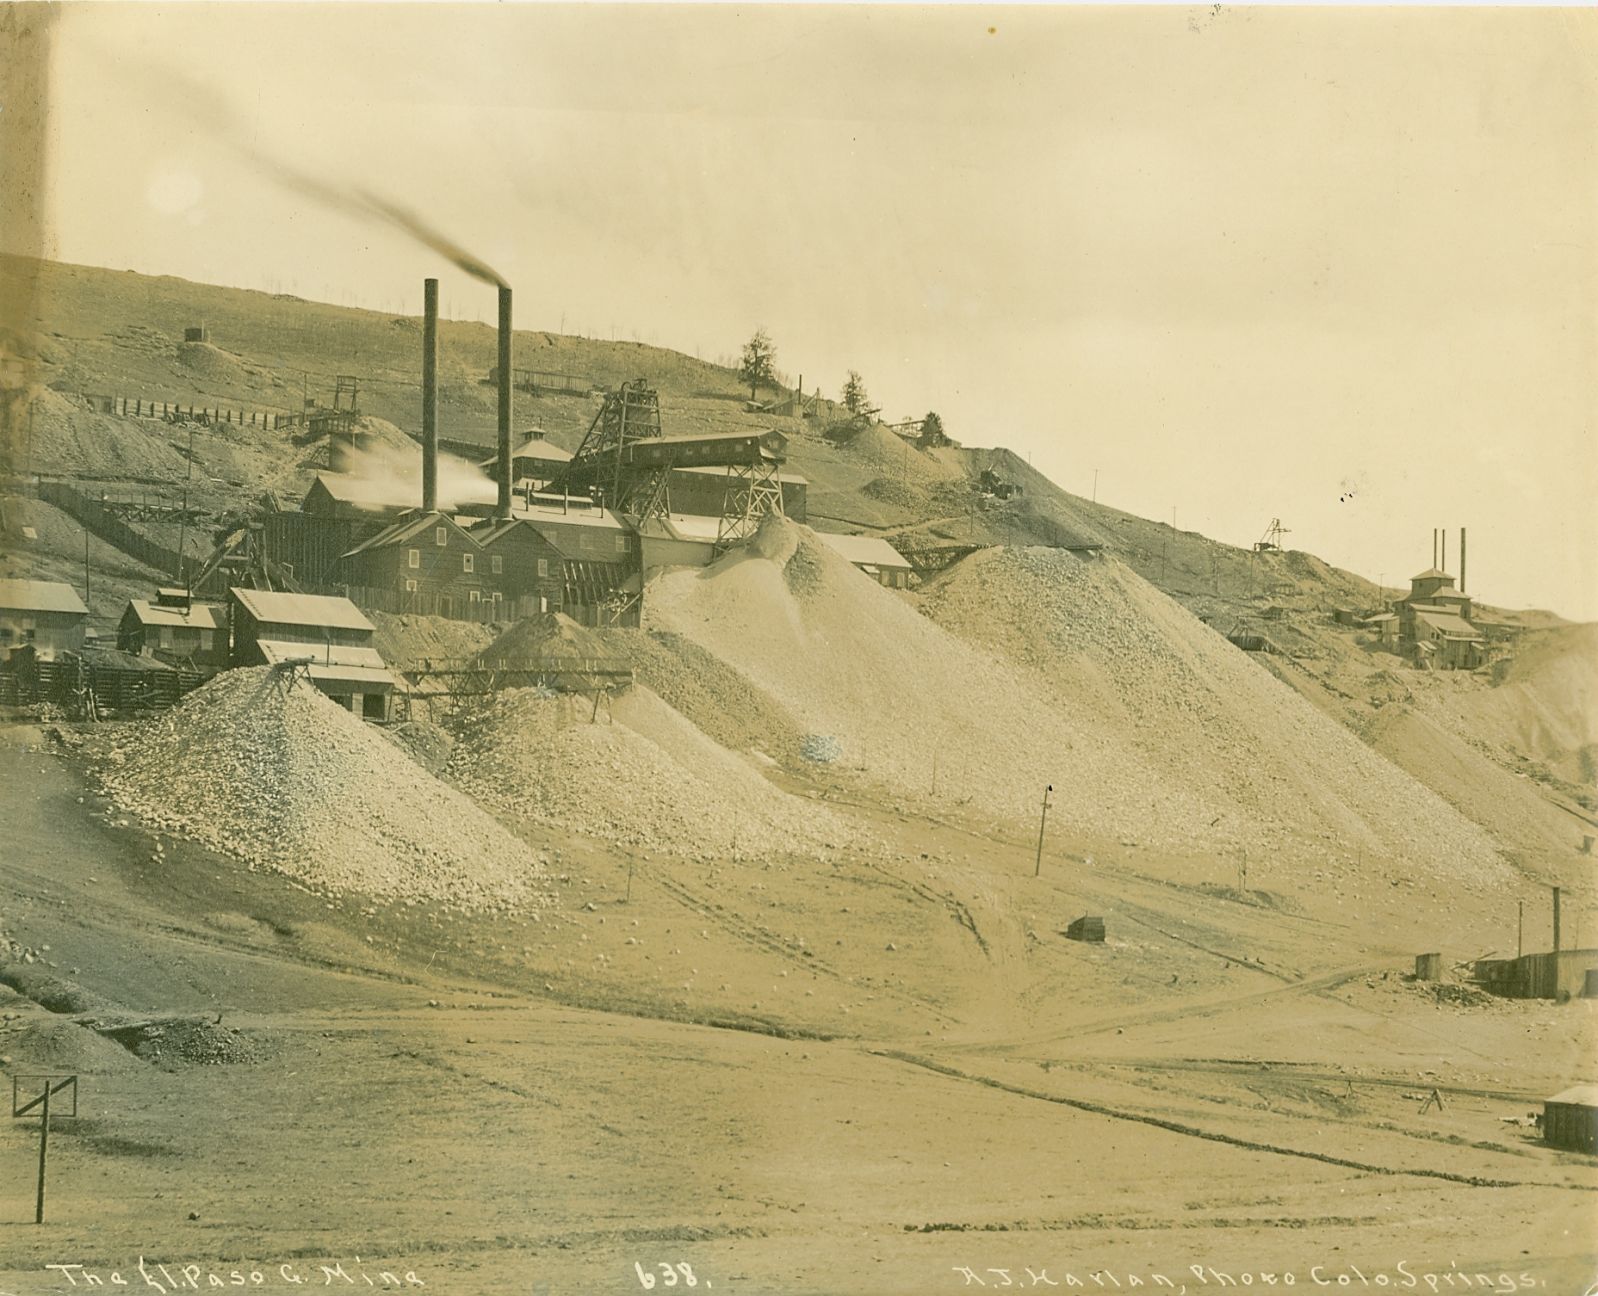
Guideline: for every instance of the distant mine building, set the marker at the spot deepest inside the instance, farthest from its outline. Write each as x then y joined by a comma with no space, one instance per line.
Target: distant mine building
1570,1119
702,492
176,628
535,460
873,555
329,634
46,616
1434,627
1384,625
1556,974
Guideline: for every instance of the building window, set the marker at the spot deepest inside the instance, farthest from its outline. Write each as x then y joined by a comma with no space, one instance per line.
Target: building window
468,562
497,597
205,641
413,558
441,535
496,563
621,544
475,596
410,587
543,566
166,636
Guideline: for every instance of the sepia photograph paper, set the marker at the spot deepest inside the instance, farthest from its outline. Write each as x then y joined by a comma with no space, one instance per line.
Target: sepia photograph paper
798,650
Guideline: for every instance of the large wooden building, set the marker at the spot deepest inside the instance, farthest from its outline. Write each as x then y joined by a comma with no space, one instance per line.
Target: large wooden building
1434,628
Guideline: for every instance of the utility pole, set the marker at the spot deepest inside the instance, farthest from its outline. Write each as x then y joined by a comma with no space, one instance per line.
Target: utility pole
85,566
1520,931
1042,824
1095,485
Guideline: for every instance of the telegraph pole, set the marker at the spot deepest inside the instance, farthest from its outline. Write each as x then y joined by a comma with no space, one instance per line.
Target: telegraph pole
1042,824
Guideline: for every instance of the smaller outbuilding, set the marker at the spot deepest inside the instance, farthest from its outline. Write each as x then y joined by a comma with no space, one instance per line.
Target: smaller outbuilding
175,628
1570,1119
873,555
46,616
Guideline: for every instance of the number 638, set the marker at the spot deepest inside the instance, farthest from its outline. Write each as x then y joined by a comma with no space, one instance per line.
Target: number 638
670,1275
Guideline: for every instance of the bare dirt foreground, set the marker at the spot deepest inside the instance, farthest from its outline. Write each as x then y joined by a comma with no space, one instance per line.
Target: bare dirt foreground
883,1073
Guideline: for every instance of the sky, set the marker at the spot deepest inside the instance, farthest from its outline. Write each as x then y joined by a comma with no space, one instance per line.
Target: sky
1337,266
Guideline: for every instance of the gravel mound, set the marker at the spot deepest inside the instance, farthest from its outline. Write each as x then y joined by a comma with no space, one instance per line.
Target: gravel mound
645,778
897,459
185,1041
286,779
852,661
1200,714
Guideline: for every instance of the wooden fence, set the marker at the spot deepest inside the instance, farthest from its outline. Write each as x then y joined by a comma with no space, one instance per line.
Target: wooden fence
179,412
110,527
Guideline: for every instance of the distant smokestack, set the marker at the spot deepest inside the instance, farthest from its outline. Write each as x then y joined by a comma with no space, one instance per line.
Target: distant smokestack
504,401
429,395
1434,548
1461,560
1556,920
1443,536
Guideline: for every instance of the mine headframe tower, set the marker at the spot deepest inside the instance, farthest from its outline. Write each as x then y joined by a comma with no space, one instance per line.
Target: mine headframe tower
629,414
627,460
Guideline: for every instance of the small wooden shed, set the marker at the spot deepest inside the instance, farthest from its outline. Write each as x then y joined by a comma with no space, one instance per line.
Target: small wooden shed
1570,1119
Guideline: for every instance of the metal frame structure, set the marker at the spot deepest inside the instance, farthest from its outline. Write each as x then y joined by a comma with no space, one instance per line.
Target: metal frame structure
754,492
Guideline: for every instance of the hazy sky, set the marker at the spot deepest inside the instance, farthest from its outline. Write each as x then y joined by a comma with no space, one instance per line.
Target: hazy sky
1337,266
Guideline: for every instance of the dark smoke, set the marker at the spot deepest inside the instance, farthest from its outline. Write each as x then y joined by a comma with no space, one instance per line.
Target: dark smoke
207,110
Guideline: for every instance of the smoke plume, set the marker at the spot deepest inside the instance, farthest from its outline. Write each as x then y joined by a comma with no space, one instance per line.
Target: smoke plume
392,475
209,112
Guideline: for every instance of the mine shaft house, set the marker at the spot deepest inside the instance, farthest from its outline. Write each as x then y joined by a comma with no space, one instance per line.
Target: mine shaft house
328,635
1434,626
47,616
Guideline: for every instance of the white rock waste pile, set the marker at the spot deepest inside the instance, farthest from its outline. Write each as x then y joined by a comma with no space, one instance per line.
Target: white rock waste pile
286,779
641,776
854,663
1111,648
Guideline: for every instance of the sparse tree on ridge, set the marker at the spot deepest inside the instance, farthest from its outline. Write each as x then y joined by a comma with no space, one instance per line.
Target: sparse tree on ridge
855,399
932,433
759,361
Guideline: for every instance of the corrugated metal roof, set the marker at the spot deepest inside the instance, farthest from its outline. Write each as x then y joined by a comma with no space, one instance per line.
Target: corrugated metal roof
864,549
1577,1096
197,616
538,448
40,596
407,529
574,517
318,610
1448,624
335,662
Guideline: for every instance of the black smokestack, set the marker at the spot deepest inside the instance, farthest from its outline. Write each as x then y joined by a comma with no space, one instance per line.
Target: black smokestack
429,395
504,400
1461,560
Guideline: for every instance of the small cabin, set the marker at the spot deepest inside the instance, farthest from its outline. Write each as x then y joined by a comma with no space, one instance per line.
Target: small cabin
175,628
46,616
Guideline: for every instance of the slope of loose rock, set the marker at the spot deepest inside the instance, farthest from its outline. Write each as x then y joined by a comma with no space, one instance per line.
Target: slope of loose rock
286,779
1200,714
639,775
